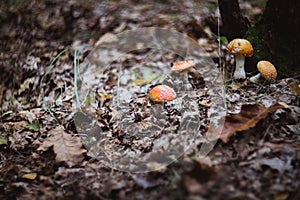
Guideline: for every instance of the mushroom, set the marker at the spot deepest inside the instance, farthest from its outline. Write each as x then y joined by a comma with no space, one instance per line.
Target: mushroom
241,48
267,70
162,93
182,66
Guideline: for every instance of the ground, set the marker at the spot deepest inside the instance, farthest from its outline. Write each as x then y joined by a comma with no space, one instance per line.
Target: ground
43,155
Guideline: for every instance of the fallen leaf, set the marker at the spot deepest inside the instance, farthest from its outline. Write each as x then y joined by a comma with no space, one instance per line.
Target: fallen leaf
281,196
115,184
155,166
236,85
295,87
66,147
27,115
248,117
242,195
276,147
104,96
3,140
13,126
106,38
192,185
88,101
30,176
26,85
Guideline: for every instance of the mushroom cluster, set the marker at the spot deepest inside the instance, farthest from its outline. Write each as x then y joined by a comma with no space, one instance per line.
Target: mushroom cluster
242,48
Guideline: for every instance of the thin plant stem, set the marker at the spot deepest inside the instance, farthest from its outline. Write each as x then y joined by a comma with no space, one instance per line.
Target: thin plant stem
48,69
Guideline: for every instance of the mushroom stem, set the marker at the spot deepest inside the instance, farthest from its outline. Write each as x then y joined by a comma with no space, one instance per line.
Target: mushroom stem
184,81
254,79
239,72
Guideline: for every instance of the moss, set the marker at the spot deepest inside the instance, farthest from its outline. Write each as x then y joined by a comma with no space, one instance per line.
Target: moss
261,51
286,57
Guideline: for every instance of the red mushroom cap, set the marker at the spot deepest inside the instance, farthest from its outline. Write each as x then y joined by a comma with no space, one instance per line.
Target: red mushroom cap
162,93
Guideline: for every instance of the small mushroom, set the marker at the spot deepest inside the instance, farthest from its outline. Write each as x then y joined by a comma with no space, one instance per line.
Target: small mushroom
162,93
182,66
241,48
266,70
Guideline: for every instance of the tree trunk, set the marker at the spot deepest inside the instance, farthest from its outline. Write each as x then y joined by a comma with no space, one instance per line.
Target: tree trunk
234,24
275,37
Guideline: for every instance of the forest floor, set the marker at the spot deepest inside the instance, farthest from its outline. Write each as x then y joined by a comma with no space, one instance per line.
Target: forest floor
48,143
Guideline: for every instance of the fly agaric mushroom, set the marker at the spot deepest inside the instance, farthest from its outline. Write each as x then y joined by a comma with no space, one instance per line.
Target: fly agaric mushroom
162,93
267,70
241,48
182,66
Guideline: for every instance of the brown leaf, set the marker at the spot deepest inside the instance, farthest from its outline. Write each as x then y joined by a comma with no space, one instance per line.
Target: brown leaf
66,147
30,176
192,185
155,166
237,85
247,118
26,85
276,147
281,196
295,87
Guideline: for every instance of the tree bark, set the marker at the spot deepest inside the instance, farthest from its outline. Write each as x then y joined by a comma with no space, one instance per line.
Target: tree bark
233,23
276,37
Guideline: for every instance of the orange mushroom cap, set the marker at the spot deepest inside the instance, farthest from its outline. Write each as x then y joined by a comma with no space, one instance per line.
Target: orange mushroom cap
182,66
162,93
267,70
240,47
